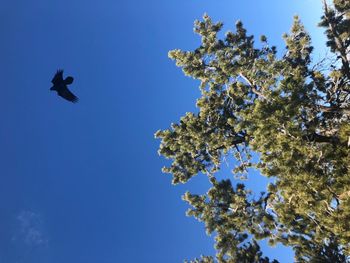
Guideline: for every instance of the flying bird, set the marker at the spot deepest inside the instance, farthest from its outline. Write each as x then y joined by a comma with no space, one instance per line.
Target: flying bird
60,85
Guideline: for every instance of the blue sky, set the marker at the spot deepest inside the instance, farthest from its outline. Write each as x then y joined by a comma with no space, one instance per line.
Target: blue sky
82,183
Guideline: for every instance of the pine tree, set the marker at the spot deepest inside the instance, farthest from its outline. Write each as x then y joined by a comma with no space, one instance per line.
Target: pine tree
293,113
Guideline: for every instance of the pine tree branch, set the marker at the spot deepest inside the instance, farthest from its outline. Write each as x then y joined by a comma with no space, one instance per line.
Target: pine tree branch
253,87
238,140
338,42
320,138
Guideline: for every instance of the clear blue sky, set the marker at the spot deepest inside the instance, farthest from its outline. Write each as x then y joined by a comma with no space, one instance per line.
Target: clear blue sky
82,183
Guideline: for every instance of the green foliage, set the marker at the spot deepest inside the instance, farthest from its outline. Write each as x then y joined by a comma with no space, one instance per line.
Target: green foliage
203,259
292,112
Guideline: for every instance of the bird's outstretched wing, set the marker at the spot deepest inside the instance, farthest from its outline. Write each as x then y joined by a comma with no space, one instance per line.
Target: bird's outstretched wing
66,94
58,78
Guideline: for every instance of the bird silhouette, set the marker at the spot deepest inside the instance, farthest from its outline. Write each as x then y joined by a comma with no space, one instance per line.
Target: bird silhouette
60,85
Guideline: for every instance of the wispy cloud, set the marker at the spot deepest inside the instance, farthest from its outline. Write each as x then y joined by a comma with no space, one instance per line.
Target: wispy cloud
30,229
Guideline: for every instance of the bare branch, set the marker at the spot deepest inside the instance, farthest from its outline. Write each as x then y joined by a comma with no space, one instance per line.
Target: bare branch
334,109
254,87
